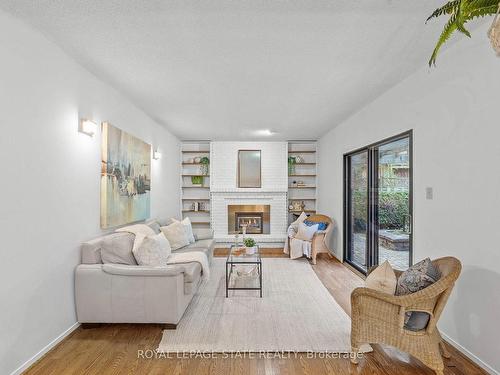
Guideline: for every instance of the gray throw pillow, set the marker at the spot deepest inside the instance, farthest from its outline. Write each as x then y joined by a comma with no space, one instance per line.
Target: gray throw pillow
415,278
154,225
117,248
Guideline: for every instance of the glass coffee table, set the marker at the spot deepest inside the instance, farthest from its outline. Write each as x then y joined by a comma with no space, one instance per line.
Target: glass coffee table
243,270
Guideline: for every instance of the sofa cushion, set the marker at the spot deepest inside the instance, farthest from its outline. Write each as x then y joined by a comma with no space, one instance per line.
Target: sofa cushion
117,248
153,251
187,227
207,246
154,225
192,271
176,235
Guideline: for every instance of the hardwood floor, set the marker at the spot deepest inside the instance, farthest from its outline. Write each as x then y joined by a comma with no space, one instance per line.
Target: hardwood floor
113,349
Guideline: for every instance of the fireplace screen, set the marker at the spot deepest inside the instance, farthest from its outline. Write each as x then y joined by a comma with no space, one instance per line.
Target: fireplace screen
251,220
255,217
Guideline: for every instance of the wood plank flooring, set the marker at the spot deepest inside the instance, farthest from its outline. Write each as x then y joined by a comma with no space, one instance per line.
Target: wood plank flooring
113,349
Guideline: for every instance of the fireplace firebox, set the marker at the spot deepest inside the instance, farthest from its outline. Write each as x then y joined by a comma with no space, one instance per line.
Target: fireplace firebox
255,217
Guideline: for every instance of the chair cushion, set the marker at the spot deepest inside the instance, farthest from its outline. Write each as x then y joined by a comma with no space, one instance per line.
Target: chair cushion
117,248
382,279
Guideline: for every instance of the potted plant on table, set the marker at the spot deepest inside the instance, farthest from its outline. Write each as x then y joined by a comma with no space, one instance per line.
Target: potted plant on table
250,245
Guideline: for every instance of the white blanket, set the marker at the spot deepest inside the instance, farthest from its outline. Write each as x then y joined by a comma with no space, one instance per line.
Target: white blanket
192,256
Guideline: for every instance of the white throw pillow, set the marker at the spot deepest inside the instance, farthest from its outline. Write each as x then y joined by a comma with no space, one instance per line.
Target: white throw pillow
300,219
153,251
382,279
176,235
306,233
188,227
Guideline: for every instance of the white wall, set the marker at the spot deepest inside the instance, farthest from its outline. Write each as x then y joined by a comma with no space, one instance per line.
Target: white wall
224,166
49,187
453,110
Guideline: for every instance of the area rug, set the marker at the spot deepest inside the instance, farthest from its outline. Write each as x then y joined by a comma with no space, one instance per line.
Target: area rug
296,313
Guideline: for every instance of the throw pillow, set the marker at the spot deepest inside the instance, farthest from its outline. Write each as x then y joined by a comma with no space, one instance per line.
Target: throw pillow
176,235
187,227
300,219
415,278
382,279
153,251
154,225
117,248
306,233
321,225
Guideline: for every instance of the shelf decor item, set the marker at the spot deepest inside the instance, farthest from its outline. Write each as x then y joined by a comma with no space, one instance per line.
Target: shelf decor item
292,160
205,164
197,180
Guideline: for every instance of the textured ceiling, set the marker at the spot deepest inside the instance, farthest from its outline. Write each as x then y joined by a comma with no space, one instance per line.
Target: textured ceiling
221,69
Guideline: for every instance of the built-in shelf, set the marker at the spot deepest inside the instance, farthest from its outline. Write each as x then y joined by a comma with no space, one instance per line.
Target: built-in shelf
302,152
196,199
301,175
301,199
200,223
300,211
304,164
203,211
195,152
186,163
195,175
196,187
301,187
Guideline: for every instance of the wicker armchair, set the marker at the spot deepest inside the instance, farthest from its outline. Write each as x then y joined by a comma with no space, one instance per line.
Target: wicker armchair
379,317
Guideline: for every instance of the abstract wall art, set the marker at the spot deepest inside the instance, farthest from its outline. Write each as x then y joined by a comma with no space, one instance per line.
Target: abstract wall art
125,177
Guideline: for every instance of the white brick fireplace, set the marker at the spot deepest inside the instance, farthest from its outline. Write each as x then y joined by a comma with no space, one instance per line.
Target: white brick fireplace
224,191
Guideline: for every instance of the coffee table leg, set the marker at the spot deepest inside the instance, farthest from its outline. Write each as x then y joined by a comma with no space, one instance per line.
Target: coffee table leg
226,282
260,277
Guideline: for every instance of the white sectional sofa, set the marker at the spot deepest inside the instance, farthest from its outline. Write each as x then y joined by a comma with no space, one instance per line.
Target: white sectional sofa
128,293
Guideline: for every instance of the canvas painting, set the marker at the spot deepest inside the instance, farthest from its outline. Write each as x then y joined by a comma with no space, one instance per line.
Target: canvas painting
125,178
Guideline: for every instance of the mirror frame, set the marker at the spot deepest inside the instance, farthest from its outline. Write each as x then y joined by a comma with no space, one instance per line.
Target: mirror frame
260,169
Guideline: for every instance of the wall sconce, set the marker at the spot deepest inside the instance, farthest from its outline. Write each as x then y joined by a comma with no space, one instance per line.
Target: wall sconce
87,127
156,154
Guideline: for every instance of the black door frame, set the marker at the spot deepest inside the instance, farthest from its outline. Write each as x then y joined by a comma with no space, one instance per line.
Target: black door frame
372,207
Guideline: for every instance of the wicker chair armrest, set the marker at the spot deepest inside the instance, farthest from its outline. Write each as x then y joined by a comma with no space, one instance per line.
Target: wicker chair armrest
401,301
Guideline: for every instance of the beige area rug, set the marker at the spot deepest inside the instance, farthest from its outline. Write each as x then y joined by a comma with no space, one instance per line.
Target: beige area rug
296,313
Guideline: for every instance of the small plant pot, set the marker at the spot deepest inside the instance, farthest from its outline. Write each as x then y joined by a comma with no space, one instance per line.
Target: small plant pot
250,250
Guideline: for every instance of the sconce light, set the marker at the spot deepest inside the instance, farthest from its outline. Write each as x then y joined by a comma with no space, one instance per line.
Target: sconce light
156,154
87,127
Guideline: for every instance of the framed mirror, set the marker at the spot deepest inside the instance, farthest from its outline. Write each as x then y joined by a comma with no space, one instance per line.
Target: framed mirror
249,169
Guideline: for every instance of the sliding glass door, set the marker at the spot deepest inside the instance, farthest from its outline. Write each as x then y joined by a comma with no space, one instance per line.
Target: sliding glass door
378,204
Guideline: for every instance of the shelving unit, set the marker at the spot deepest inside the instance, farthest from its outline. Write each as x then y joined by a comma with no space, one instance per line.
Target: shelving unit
305,171
192,194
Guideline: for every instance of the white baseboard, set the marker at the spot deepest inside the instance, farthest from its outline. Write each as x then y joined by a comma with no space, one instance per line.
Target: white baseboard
469,355
42,352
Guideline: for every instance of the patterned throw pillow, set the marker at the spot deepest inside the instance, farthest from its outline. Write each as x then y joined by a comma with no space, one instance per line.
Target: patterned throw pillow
321,225
415,278
306,233
382,279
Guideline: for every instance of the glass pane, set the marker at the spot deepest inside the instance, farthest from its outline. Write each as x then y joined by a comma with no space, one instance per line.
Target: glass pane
394,203
249,169
359,213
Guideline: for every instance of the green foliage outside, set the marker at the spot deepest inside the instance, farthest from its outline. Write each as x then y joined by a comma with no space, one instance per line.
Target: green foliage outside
393,209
